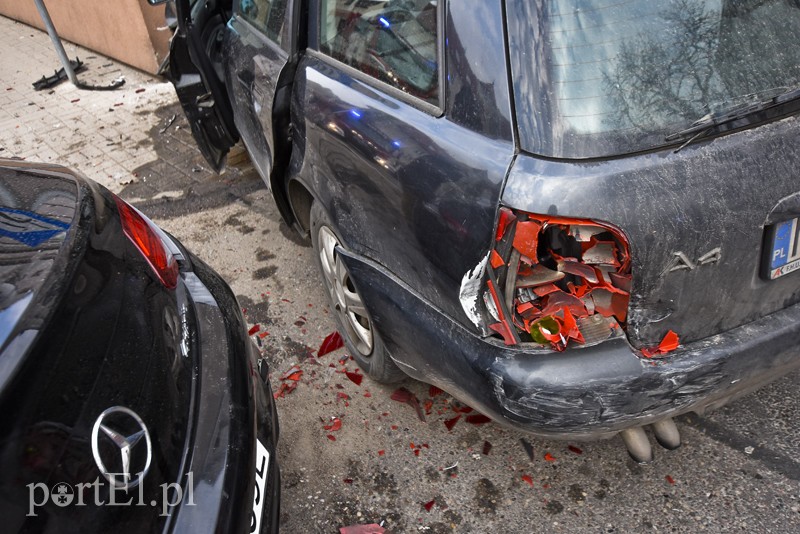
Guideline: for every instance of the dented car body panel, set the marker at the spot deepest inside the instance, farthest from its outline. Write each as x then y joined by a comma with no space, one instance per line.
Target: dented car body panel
570,276
717,195
583,393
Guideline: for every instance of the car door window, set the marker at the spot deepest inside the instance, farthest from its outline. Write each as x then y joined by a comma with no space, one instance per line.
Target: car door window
395,41
266,15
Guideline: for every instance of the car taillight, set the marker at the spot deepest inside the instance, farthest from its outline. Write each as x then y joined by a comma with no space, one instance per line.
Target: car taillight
147,241
557,281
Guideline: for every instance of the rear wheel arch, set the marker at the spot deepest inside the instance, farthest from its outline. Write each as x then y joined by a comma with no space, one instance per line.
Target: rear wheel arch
300,200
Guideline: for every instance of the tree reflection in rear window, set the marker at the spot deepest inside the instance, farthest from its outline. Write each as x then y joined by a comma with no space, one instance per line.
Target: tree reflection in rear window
617,76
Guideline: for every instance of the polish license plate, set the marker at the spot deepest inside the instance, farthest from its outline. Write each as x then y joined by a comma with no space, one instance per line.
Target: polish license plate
262,469
784,254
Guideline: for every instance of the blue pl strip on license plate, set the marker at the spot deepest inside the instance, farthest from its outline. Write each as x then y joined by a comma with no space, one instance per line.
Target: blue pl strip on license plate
785,253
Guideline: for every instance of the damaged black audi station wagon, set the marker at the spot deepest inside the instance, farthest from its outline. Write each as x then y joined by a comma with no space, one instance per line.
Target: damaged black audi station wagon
580,218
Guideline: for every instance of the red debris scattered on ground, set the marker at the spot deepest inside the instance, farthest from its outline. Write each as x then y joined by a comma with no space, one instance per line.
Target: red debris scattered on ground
669,479
356,378
450,423
528,479
487,447
478,419
381,452
428,505
293,374
348,480
331,437
372,528
331,343
433,391
575,449
140,90
289,381
549,457
406,397
334,425
667,345
254,329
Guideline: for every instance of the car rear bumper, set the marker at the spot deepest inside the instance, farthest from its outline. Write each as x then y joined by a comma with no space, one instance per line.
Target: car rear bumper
232,408
584,393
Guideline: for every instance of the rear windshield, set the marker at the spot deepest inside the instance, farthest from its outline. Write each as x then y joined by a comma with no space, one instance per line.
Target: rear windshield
605,77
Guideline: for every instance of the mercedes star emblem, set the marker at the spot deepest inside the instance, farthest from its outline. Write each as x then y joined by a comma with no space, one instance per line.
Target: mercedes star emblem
123,429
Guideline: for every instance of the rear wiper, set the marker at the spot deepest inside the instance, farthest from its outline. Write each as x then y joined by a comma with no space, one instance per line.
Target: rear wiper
706,123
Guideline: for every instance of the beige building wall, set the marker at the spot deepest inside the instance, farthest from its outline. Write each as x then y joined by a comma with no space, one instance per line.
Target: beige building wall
126,30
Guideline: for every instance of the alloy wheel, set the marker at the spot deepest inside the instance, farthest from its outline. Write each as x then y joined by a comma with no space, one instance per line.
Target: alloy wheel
344,297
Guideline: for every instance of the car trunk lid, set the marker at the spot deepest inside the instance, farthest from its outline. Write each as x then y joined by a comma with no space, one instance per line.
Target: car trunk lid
696,221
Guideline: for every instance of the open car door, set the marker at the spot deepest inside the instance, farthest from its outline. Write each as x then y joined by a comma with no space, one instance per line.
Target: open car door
196,71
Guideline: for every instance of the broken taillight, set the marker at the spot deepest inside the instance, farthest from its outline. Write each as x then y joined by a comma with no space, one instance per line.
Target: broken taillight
556,281
146,239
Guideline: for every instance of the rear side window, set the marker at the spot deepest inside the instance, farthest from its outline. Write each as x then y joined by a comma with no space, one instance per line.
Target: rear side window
266,15
394,41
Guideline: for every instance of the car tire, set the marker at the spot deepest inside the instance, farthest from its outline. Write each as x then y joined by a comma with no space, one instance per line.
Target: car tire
352,319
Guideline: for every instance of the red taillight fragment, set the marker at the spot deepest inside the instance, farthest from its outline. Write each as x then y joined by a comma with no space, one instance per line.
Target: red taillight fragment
148,242
569,280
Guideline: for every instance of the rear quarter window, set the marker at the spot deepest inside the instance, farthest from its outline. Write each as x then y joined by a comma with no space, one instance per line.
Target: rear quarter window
395,41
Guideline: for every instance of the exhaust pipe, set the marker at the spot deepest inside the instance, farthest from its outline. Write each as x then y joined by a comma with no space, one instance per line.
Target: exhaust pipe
667,434
638,444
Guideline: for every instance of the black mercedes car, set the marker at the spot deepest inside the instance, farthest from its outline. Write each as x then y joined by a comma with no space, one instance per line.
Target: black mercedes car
131,397
579,217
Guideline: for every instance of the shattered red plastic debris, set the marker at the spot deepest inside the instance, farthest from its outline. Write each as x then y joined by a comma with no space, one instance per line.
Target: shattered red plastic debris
344,396
669,343
433,391
496,260
428,505
401,395
528,479
526,238
331,437
450,423
332,342
549,457
487,448
406,397
293,374
372,528
506,217
381,452
348,480
568,270
575,449
254,329
334,425
478,419
356,378
284,389
669,479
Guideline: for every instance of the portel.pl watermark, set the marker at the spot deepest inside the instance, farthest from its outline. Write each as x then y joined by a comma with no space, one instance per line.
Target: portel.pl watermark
63,495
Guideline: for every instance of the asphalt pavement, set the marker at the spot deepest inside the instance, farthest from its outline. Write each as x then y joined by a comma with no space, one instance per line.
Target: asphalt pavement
438,470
